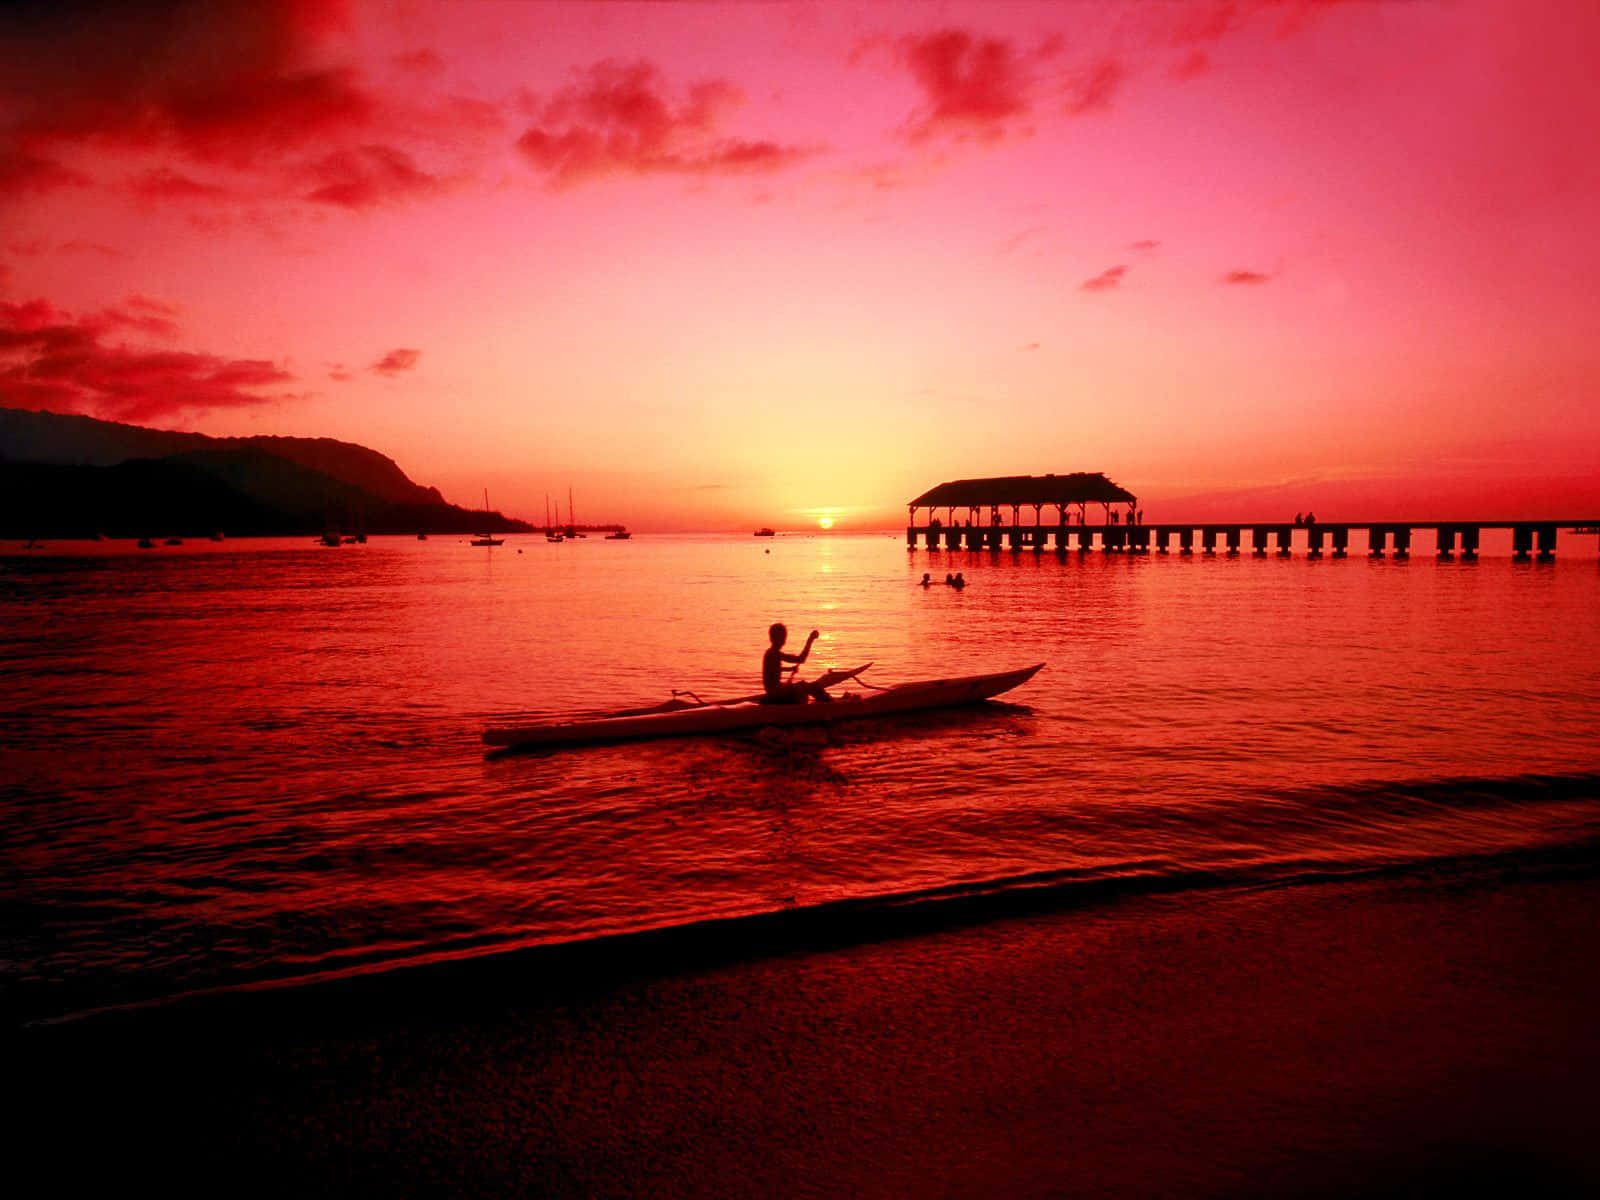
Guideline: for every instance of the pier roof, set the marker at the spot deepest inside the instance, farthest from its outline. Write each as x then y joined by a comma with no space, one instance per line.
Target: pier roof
1079,487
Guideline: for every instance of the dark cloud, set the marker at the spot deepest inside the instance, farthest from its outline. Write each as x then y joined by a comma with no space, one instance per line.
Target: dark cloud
1106,280
1092,90
1144,245
366,176
227,81
396,361
620,119
972,85
48,359
1245,277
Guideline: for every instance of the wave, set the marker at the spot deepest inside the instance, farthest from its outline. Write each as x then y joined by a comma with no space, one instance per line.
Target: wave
474,961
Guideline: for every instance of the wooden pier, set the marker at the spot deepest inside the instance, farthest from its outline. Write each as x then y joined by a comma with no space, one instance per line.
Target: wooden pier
997,517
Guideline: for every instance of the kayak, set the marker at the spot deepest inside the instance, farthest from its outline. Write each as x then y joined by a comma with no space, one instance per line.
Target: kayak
684,718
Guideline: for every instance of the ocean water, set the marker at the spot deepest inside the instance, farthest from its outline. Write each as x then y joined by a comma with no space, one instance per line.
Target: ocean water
249,763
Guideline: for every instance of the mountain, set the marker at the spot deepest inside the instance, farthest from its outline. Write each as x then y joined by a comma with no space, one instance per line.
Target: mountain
64,476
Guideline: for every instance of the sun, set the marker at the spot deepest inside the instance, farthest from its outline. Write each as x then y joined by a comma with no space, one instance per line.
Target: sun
825,522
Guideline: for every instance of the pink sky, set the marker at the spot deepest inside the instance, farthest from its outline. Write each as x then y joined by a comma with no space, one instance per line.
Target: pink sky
721,265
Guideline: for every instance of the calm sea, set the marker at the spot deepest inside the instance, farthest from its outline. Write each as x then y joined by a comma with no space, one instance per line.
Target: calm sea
249,762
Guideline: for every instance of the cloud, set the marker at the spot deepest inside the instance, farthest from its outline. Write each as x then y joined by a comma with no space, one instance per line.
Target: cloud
396,361
1245,277
230,81
420,62
366,176
1091,90
165,184
23,171
619,119
1195,64
48,359
1106,280
1029,346
1144,245
972,86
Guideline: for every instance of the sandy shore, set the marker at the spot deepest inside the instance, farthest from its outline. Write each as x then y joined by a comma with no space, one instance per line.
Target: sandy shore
1422,1036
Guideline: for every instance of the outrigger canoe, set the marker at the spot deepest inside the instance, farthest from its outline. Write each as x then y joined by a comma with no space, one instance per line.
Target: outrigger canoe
682,718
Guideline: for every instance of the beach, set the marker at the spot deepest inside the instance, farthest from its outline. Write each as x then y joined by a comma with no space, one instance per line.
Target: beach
1428,1034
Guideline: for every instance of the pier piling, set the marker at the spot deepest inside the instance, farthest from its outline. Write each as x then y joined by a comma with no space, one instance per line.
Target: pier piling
1521,542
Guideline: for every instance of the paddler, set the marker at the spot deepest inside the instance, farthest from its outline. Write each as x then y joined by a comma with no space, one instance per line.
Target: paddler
774,689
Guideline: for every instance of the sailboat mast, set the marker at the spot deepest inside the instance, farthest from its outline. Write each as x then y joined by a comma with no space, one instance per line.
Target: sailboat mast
572,517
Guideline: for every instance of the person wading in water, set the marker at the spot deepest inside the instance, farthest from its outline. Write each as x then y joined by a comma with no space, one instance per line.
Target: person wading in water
774,689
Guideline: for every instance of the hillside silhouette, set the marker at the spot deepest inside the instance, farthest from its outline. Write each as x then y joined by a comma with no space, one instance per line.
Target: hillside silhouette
63,475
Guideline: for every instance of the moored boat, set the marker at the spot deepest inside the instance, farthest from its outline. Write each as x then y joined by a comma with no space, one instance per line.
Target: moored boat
684,718
487,539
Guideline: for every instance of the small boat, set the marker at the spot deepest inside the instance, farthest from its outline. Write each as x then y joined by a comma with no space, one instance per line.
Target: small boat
422,537
485,539
174,541
686,717
331,538
618,535
217,536
146,544
765,532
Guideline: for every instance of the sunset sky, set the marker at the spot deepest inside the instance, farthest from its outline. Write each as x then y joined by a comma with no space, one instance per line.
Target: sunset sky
714,266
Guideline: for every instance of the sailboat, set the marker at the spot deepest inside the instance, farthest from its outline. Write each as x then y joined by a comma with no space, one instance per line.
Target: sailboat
572,520
551,533
485,539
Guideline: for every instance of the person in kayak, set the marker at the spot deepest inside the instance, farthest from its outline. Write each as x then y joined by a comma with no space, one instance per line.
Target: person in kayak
774,689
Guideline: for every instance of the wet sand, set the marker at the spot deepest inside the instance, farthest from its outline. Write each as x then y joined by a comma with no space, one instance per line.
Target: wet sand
1428,1036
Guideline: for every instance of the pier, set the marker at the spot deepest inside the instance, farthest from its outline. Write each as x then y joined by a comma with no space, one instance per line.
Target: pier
1055,512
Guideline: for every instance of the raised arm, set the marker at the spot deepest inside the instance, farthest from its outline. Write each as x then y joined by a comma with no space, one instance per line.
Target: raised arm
797,659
